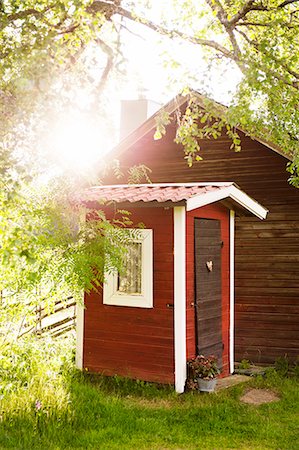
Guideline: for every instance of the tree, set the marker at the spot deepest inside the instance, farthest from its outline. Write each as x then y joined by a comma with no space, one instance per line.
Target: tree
259,37
46,48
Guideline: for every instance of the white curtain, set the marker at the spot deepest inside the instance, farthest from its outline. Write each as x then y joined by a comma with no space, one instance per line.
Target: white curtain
129,280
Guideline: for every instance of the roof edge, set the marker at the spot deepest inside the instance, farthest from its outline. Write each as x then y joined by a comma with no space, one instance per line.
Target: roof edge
222,191
208,183
232,192
147,126
173,105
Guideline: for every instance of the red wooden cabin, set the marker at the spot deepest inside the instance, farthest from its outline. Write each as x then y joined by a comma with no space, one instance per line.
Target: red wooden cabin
267,252
175,298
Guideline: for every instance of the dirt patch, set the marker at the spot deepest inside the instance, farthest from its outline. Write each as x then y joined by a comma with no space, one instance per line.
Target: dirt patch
259,396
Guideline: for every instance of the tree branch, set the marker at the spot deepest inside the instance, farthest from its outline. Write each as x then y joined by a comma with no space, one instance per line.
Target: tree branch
220,12
70,29
109,8
109,63
287,2
248,7
24,14
175,33
258,24
294,83
244,35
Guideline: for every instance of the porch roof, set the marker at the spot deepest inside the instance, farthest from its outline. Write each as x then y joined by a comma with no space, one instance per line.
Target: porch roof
192,195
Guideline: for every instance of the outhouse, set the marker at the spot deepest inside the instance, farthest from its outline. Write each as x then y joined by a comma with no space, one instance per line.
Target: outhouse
177,299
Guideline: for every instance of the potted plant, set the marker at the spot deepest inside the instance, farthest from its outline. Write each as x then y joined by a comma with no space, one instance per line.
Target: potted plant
202,373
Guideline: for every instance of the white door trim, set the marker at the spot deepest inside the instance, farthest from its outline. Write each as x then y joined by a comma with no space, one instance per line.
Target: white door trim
179,216
231,289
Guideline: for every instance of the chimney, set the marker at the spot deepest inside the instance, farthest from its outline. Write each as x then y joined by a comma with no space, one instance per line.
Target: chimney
134,113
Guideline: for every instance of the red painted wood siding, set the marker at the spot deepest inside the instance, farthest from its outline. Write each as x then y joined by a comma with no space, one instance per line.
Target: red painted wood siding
137,342
267,252
208,212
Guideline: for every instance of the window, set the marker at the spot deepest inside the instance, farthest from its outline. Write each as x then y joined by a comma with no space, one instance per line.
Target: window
134,285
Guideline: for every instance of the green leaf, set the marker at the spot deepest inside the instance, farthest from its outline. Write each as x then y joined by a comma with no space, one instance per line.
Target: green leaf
157,135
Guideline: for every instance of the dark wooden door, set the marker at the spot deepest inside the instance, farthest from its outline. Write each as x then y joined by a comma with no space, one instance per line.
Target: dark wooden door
208,306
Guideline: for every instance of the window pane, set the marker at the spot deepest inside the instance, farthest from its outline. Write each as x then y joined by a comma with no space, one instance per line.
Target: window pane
129,281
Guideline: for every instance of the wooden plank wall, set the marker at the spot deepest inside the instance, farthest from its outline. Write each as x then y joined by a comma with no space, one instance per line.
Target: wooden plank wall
136,342
209,212
267,253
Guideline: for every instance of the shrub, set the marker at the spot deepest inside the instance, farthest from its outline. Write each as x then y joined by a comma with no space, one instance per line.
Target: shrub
31,360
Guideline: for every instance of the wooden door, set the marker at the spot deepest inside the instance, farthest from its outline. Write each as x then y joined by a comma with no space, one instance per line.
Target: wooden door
208,305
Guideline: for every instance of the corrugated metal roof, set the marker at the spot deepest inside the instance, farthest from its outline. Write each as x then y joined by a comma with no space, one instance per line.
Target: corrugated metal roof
150,192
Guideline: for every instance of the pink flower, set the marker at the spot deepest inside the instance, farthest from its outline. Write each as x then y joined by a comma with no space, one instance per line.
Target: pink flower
38,405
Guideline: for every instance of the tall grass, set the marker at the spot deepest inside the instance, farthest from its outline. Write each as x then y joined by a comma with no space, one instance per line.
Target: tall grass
33,378
47,404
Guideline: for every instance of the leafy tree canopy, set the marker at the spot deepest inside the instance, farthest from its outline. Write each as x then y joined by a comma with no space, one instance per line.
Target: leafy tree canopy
260,37
50,49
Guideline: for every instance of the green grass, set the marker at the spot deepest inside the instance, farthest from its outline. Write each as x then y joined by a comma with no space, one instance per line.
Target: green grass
80,411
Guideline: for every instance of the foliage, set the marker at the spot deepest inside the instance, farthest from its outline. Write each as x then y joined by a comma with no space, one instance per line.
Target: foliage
162,120
46,242
259,38
284,367
49,51
46,250
244,364
56,407
203,367
34,364
201,120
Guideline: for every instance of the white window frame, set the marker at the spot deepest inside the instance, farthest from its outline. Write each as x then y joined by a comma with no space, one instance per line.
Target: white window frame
112,296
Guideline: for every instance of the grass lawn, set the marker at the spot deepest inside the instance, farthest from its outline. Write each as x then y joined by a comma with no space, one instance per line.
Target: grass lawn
80,411
120,414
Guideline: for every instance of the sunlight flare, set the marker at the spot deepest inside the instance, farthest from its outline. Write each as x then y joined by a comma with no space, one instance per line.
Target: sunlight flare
78,142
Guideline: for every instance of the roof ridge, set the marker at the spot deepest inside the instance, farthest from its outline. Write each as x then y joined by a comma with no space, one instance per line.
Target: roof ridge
153,185
170,107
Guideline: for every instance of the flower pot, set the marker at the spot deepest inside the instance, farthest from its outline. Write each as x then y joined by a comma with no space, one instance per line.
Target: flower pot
206,385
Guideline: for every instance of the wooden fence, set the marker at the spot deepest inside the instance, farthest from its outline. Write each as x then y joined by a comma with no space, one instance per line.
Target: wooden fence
59,320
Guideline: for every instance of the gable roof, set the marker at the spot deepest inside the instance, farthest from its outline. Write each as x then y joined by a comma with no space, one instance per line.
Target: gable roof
173,105
192,195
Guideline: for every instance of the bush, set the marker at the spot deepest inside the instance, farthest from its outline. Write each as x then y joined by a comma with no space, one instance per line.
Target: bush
33,361
284,367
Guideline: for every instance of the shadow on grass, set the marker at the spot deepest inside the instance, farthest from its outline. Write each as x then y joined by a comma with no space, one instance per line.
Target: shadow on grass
116,413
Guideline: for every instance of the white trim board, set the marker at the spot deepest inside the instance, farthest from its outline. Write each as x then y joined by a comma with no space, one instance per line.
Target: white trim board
111,296
180,354
80,335
231,290
228,192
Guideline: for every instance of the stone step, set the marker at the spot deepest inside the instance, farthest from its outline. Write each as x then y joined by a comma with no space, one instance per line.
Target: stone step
232,380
